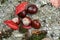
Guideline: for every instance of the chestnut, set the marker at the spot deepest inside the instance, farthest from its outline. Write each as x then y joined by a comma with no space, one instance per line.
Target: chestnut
26,21
26,27
22,14
35,24
32,9
16,20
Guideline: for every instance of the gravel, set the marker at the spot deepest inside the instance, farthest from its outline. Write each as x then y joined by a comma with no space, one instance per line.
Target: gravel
48,15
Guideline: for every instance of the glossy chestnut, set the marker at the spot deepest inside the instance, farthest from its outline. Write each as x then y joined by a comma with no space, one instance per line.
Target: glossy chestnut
36,24
22,14
32,9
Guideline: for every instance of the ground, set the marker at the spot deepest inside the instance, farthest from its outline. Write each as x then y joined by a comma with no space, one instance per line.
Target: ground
48,15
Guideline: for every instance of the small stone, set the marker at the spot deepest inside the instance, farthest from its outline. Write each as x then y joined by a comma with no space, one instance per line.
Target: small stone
46,39
19,35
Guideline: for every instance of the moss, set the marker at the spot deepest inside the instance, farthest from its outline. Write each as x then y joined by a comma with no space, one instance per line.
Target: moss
38,37
22,30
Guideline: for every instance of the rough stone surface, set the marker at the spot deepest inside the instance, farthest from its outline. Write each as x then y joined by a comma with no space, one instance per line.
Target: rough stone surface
48,15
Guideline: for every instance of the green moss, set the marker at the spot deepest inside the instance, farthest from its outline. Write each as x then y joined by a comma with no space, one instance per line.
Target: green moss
22,30
37,37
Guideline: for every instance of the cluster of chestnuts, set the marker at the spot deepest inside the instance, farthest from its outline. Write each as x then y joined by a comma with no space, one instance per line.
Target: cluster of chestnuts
22,21
21,11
